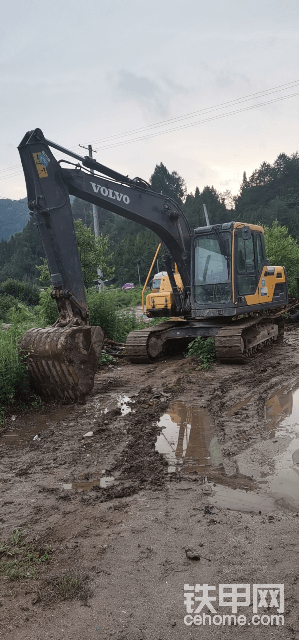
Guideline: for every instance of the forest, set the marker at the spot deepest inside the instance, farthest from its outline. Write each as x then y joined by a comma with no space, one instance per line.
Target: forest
270,194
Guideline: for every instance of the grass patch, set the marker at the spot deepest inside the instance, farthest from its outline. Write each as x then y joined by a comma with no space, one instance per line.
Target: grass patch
20,559
204,349
69,586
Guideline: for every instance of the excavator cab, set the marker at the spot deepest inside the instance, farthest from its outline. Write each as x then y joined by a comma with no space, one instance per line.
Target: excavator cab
231,274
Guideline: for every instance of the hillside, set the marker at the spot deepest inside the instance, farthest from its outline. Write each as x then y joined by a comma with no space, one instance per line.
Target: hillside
14,215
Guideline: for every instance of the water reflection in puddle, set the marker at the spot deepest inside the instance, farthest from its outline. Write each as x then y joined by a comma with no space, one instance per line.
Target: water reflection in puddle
268,470
274,462
188,439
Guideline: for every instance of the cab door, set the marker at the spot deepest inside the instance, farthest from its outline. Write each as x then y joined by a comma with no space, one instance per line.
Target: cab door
263,280
246,264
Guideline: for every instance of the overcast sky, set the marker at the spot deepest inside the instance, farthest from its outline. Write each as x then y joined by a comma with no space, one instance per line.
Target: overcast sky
87,70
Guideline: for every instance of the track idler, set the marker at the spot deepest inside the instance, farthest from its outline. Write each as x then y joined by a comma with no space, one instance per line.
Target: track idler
62,361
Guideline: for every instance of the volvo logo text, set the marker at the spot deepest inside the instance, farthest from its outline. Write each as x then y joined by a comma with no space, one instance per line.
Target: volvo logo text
109,193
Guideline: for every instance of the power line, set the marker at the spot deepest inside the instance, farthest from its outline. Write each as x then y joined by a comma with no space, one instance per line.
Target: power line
11,176
193,124
289,85
163,123
15,166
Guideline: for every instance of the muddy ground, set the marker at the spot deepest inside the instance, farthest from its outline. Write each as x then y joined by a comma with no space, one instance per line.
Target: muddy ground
129,526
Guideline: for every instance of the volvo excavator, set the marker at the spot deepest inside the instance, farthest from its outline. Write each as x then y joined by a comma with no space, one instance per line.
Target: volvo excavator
227,288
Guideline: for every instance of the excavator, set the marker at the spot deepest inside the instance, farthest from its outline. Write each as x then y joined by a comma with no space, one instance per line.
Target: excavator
226,287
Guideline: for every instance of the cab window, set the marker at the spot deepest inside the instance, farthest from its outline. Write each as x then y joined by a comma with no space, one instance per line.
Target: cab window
156,284
245,258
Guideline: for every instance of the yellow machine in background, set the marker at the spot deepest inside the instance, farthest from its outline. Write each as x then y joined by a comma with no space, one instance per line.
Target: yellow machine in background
161,299
160,302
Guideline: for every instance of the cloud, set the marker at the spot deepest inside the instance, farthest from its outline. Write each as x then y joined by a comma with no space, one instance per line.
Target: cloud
153,96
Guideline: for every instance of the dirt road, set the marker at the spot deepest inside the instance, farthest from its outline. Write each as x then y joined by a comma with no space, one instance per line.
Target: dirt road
190,478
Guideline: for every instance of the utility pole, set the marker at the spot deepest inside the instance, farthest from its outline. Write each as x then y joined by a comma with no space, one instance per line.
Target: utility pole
94,207
206,215
138,272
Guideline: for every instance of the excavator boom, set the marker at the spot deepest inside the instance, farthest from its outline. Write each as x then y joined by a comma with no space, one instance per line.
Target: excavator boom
62,360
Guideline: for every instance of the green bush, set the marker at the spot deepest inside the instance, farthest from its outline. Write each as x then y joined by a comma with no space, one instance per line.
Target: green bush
105,358
14,377
104,310
47,309
204,348
104,313
128,297
6,304
24,291
282,249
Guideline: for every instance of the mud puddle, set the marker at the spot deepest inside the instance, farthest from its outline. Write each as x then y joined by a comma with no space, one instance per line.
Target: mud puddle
85,485
267,475
24,428
274,462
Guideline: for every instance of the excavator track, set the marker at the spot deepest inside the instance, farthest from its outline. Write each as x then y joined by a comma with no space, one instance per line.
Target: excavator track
234,342
238,341
146,344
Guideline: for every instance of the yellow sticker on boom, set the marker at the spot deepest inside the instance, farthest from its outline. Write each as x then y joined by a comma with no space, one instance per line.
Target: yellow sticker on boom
40,164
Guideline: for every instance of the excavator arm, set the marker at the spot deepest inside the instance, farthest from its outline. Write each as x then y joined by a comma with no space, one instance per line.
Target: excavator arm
63,359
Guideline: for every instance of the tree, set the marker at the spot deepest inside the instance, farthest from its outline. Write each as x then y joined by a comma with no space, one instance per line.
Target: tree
94,253
82,210
138,248
20,254
170,184
270,188
282,249
193,207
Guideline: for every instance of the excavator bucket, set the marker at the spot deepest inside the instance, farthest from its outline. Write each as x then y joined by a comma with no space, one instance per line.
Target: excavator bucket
62,362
